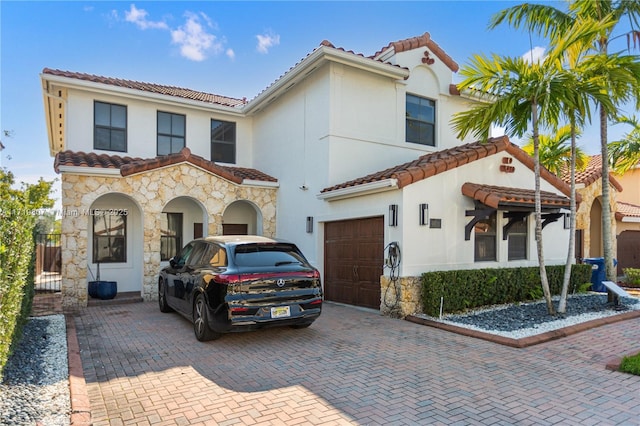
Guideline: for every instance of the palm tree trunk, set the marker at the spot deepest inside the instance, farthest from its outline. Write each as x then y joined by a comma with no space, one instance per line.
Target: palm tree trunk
562,305
544,281
607,237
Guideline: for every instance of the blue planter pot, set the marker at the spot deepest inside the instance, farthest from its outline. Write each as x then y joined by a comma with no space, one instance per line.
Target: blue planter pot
103,289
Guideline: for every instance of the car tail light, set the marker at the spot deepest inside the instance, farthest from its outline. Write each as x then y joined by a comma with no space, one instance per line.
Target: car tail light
228,279
238,310
316,302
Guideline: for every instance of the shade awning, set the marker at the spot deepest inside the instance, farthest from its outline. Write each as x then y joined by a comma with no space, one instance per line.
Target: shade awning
505,198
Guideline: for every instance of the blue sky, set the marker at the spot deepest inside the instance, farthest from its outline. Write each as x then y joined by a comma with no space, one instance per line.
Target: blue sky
234,49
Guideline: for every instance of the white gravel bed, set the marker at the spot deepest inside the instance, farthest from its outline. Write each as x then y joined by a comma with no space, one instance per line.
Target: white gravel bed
35,387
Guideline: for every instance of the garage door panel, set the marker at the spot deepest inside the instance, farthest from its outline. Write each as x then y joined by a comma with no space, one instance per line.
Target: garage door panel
353,261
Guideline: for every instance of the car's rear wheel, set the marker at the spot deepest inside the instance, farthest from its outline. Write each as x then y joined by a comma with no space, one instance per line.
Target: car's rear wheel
162,297
201,322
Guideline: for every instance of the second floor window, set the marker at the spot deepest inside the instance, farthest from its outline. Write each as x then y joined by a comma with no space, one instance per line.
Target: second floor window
171,133
170,235
421,120
223,141
110,126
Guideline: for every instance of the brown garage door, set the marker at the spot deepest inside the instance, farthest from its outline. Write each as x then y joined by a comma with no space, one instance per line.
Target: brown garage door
628,250
353,261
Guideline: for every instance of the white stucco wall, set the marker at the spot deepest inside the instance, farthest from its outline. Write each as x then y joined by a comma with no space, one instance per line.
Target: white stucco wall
142,126
427,249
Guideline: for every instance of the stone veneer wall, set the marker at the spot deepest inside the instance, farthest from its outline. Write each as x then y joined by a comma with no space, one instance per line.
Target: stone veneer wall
583,215
401,298
151,191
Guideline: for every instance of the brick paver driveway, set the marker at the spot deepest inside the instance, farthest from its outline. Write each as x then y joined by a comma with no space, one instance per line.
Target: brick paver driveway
351,367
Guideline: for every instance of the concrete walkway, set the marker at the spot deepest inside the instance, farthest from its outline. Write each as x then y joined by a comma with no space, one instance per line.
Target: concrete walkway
352,366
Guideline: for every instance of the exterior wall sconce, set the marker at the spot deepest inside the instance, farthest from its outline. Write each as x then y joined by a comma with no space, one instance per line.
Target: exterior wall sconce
393,215
309,224
423,213
567,220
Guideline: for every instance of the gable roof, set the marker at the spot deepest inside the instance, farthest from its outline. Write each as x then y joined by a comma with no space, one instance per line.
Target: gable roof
503,197
592,173
437,162
161,89
415,42
129,166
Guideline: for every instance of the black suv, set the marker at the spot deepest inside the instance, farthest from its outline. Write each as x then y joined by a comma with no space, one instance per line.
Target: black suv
238,283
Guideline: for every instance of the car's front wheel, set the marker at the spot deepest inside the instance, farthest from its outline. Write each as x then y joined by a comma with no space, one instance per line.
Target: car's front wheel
201,322
162,297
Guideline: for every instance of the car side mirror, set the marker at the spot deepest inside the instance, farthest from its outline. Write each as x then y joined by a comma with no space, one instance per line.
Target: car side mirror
173,262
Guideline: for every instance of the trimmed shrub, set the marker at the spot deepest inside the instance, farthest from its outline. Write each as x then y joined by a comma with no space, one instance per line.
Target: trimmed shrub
467,289
632,277
17,223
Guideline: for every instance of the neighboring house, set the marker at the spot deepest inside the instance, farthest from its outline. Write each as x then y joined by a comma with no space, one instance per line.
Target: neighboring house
628,220
344,155
589,242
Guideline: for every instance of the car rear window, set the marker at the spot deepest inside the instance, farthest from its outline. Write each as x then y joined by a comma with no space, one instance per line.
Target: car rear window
267,255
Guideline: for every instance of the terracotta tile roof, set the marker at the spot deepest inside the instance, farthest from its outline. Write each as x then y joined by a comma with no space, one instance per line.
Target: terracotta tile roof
151,87
627,210
592,173
421,41
431,164
323,43
504,197
129,166
91,159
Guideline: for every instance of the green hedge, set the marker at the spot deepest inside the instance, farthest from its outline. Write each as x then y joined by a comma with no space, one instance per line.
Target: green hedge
467,289
16,277
17,223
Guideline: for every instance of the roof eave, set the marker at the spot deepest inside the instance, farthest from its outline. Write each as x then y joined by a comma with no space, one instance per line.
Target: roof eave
136,93
360,190
318,57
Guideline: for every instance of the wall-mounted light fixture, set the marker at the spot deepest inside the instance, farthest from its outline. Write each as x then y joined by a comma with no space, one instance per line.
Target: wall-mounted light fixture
309,224
393,215
567,220
423,214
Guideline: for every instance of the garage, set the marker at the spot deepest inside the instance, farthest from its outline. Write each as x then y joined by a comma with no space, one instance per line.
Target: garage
628,250
354,253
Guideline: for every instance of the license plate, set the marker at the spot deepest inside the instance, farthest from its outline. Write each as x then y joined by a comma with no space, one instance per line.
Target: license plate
280,312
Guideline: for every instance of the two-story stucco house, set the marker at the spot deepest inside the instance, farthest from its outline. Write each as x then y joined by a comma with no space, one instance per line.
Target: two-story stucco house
344,154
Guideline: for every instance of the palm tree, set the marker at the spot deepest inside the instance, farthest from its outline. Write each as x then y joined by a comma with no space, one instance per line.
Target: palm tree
621,75
555,151
625,153
516,93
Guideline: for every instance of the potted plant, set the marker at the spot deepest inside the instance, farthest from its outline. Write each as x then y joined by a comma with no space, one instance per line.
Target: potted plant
103,290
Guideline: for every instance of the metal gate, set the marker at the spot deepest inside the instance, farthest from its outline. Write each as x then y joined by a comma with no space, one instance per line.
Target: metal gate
48,262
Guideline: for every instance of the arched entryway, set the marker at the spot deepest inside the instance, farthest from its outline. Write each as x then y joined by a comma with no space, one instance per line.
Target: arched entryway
182,220
242,218
115,242
595,229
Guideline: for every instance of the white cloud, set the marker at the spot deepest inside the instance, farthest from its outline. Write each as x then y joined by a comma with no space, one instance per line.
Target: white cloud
193,38
230,54
534,55
266,41
139,18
